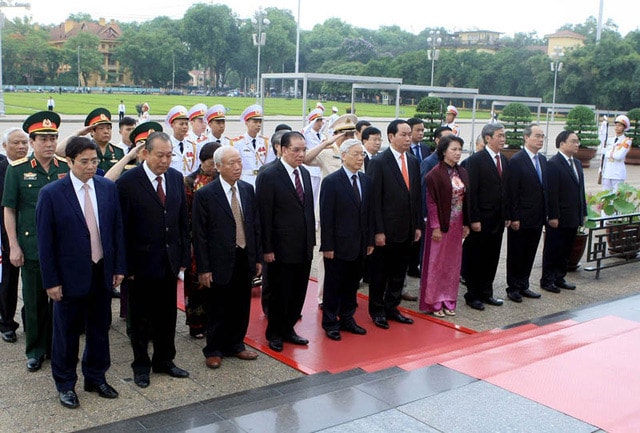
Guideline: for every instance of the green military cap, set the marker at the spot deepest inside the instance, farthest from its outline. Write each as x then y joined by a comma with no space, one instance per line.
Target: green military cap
143,130
42,122
98,116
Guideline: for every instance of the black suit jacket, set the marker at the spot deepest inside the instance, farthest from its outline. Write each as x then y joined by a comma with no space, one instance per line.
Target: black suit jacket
4,163
396,210
214,230
64,243
566,200
527,195
155,235
487,192
287,224
344,224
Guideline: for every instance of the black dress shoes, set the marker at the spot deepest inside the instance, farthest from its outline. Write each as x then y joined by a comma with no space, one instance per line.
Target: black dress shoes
69,399
565,285
334,335
514,296
275,345
496,302
104,390
354,329
527,293
551,288
141,379
476,305
381,322
413,272
172,371
10,336
409,297
397,317
34,364
296,339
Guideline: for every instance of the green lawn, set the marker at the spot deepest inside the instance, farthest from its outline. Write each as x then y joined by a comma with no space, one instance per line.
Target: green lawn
68,103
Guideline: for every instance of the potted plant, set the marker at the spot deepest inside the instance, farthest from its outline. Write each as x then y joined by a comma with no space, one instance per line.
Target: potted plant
582,120
431,110
633,157
515,117
623,232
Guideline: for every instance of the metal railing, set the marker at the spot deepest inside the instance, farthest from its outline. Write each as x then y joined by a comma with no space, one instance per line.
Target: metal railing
614,241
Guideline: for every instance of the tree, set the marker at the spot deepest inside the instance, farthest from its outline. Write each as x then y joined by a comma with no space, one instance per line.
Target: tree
515,117
582,121
211,33
431,109
83,48
23,49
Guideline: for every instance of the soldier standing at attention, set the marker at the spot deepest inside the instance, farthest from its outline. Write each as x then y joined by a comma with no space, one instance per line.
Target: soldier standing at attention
25,177
254,148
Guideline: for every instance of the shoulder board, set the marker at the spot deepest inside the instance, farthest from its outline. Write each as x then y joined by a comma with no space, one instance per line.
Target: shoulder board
238,138
61,159
265,137
19,161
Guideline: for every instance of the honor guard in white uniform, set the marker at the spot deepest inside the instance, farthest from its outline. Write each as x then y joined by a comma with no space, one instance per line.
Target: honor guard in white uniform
613,155
314,137
254,149
198,131
450,120
216,119
144,117
327,129
184,151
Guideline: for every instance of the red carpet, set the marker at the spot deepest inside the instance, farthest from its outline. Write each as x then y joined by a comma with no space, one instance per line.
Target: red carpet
380,347
589,371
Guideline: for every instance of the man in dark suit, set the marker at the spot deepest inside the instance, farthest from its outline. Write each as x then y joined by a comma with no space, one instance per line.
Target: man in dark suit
226,243
567,209
527,212
154,209
287,221
371,140
16,143
345,239
81,250
397,220
488,171
421,151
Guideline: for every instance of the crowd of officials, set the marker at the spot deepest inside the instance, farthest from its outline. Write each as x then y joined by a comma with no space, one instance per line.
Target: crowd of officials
86,220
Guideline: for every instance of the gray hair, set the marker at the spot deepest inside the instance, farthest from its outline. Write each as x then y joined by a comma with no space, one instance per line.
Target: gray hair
151,139
220,152
8,132
277,136
348,144
527,131
490,128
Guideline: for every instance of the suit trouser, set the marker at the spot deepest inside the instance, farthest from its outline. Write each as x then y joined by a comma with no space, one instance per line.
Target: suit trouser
522,246
341,283
8,295
388,269
228,309
72,316
480,257
37,311
555,256
152,317
288,288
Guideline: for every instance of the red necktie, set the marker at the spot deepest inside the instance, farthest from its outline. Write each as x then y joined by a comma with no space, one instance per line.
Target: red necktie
299,189
161,194
499,165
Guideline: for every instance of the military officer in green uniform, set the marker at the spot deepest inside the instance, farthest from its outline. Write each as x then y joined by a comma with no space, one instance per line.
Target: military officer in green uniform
99,120
23,181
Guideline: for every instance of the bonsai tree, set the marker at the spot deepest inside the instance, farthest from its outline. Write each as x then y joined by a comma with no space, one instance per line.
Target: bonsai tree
634,132
431,110
515,116
582,120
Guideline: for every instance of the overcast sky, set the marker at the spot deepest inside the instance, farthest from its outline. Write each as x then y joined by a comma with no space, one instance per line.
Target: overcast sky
507,16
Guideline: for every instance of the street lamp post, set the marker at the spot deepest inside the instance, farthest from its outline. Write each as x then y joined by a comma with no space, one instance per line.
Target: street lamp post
259,39
556,66
433,53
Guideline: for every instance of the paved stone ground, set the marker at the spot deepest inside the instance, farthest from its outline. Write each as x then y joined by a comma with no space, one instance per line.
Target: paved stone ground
29,402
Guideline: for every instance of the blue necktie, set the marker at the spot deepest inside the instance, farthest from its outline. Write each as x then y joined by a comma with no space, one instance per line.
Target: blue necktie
538,170
416,152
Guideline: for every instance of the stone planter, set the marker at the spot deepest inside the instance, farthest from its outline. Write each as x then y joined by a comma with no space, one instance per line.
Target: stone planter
585,155
509,152
633,157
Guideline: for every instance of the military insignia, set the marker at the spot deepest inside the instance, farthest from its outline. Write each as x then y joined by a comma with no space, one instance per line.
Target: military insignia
151,131
29,176
19,161
103,117
46,123
62,175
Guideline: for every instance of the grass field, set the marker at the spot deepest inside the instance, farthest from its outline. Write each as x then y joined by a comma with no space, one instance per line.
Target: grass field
81,104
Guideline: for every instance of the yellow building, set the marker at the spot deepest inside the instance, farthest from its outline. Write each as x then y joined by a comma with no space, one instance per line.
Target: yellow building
564,39
480,40
108,33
